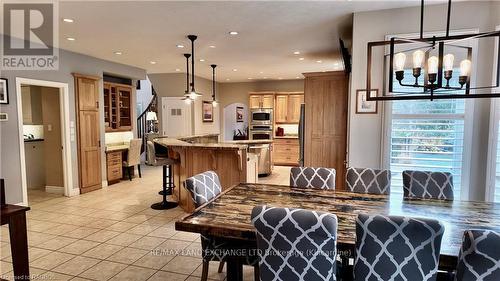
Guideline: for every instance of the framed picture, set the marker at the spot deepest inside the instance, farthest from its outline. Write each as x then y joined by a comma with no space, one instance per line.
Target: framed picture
362,105
207,111
4,91
239,114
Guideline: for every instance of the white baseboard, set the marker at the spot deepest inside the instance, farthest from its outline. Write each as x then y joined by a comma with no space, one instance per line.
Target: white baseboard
54,189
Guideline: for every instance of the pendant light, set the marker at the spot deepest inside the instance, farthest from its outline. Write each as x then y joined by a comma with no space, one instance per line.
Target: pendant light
193,94
187,98
214,101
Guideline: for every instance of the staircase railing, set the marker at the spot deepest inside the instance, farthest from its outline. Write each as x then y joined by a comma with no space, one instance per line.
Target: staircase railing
142,123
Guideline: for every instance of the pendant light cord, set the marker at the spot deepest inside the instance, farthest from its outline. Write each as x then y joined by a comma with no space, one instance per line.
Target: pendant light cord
448,18
192,38
187,72
213,81
422,19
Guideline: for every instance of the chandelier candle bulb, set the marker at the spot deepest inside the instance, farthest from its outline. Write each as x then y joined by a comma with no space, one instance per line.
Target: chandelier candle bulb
432,68
399,61
418,58
465,68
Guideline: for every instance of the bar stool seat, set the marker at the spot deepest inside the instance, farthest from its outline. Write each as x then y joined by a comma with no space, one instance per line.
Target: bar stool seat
167,175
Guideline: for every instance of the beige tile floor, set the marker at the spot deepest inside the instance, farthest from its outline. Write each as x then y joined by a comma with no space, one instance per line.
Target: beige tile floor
112,234
280,175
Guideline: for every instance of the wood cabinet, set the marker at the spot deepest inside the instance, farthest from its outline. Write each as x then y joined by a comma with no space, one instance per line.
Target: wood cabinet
286,152
88,132
326,97
114,166
117,107
261,100
287,107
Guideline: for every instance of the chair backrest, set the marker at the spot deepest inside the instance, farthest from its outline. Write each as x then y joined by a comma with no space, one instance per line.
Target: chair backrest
295,244
308,177
151,152
203,187
397,248
134,152
367,180
428,185
479,257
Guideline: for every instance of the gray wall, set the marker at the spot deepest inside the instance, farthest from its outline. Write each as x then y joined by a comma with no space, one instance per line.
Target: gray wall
10,167
374,26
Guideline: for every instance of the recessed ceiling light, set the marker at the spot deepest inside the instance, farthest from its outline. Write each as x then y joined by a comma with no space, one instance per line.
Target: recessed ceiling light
318,61
68,20
261,72
152,62
118,53
249,78
227,79
234,69
296,53
279,78
233,32
212,46
301,58
177,69
297,77
202,60
179,46
264,77
70,39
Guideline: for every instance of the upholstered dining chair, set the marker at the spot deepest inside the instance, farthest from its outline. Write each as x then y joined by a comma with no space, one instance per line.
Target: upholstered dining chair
428,185
367,180
133,157
309,177
479,257
295,244
203,188
397,248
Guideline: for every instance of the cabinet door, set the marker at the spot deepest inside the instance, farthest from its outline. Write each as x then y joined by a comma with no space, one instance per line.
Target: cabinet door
88,93
294,102
254,101
267,101
124,105
280,110
90,152
107,106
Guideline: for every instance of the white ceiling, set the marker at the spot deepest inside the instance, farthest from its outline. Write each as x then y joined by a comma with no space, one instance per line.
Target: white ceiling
269,33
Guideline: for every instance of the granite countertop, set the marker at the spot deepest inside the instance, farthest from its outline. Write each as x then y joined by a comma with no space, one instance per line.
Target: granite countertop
198,136
287,137
117,146
249,141
179,143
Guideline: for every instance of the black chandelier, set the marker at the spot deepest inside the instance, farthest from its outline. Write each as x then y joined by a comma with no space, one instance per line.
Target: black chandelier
433,75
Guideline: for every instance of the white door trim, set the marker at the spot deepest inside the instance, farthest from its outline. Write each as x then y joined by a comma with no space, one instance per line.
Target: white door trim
492,140
65,133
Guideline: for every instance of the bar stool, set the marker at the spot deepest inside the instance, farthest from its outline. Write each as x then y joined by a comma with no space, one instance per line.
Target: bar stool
168,177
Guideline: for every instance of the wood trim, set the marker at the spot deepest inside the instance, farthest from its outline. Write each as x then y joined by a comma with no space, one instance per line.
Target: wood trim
93,77
261,93
326,73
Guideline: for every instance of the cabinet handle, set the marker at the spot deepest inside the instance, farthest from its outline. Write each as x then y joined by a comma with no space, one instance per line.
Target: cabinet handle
97,104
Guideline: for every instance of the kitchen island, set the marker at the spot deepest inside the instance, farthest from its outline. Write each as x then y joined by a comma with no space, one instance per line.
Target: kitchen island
230,161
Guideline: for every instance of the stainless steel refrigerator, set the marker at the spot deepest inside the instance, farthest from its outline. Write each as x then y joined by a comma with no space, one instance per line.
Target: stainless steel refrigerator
302,131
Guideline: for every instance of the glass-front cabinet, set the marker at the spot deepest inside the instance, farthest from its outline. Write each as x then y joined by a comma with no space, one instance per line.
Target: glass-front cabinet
117,107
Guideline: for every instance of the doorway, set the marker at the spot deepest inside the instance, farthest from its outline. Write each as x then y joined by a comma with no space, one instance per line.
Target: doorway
176,117
43,117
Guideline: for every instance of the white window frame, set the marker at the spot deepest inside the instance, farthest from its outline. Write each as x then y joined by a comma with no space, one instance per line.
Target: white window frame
493,141
467,117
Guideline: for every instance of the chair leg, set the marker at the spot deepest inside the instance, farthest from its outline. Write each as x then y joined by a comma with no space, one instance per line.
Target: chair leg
256,273
221,267
204,271
139,170
129,174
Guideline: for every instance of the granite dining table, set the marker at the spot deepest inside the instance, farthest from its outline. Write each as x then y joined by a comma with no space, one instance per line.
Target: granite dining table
228,215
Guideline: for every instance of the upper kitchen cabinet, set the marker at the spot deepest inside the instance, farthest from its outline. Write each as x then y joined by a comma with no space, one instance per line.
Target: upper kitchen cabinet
117,107
287,107
261,100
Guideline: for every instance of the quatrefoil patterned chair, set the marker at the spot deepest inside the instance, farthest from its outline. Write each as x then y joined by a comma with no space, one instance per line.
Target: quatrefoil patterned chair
479,257
203,188
428,185
308,177
367,180
397,248
295,244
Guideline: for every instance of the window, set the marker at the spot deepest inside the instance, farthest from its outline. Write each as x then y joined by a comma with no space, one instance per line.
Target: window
497,171
428,136
493,188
